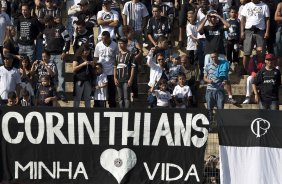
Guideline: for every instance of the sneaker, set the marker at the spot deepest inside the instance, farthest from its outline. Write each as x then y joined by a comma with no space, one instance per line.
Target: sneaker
145,45
247,100
231,101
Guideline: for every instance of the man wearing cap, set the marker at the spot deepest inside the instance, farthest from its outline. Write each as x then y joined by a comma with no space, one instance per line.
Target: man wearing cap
266,85
57,43
85,14
107,20
10,79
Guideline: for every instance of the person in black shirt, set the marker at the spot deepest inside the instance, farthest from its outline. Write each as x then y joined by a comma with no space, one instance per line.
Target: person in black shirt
10,46
157,26
46,93
57,43
266,85
28,29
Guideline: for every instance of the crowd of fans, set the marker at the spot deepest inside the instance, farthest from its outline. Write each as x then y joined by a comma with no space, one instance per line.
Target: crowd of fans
34,42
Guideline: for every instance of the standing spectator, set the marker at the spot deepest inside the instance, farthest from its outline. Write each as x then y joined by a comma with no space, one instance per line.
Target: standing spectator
215,88
191,73
192,41
182,94
101,87
124,73
26,77
167,10
4,22
278,40
105,53
233,37
134,48
86,15
46,92
162,94
135,14
174,69
12,99
266,85
49,9
10,46
44,67
10,79
214,33
28,29
107,20
157,26
57,43
255,26
83,36
255,65
184,6
16,8
83,74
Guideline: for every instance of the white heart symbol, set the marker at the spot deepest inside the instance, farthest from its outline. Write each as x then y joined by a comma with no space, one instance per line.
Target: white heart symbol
118,163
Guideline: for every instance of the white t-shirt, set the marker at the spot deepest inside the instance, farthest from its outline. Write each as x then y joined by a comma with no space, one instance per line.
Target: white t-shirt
102,93
255,15
111,15
107,56
135,13
182,93
8,81
163,98
240,12
191,30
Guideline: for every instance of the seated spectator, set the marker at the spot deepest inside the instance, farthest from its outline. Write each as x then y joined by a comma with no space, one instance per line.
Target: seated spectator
26,99
266,85
162,47
157,26
46,93
83,75
162,94
255,65
124,73
12,99
182,94
101,87
10,79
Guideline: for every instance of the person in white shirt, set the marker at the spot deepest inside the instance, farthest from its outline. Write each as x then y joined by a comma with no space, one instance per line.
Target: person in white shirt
192,41
163,95
107,20
182,93
10,79
105,53
135,14
255,25
101,87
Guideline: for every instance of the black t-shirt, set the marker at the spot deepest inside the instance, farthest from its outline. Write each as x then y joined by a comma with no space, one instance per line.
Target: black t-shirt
158,27
234,29
268,82
86,72
44,92
28,30
214,38
13,49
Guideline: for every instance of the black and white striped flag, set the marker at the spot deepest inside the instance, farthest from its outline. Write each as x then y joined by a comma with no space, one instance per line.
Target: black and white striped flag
250,143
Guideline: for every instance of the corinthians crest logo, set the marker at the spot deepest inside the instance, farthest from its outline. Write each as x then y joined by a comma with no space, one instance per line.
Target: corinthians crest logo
260,126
